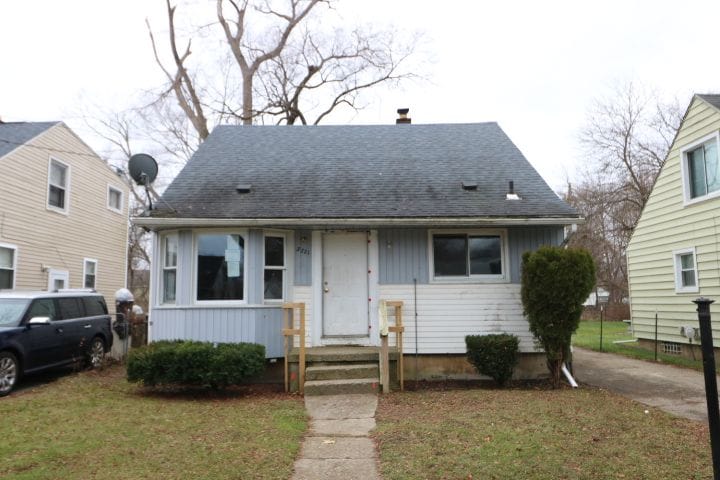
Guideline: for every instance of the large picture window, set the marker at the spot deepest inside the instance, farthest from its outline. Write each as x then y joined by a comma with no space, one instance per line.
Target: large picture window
273,286
220,267
468,255
7,267
702,169
169,268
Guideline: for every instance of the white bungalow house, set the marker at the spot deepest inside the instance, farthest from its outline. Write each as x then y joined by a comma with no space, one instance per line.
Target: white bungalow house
673,256
341,217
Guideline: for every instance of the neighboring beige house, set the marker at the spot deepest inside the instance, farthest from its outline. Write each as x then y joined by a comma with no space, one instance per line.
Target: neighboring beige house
674,253
63,212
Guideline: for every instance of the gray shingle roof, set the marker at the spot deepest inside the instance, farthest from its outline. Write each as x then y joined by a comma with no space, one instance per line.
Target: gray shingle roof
369,171
14,134
712,99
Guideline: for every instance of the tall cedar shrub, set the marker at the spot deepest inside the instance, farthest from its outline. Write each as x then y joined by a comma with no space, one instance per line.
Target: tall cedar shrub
555,283
493,355
181,362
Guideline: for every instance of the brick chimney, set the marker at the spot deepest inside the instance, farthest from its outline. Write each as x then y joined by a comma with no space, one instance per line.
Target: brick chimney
403,118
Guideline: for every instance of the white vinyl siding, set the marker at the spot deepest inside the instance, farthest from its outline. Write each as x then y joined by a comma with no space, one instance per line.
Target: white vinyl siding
8,264
89,273
58,197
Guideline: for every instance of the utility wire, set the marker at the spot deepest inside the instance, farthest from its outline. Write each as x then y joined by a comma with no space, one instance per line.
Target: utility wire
49,149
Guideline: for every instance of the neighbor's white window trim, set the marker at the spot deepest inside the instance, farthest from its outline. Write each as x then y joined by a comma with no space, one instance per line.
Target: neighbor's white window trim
52,208
244,234
505,277
122,198
685,170
85,264
677,266
15,250
284,267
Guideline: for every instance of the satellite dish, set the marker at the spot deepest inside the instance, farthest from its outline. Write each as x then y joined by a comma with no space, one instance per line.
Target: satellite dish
143,169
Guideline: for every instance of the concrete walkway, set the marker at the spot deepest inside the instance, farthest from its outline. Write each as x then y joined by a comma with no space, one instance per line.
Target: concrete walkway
676,390
337,445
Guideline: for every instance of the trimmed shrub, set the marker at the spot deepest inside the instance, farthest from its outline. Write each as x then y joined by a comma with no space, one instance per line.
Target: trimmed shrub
493,355
181,362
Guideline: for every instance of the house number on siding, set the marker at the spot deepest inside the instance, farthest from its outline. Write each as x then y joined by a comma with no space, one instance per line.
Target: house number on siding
302,250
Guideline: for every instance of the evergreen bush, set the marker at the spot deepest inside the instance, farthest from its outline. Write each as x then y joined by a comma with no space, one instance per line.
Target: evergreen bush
181,362
493,355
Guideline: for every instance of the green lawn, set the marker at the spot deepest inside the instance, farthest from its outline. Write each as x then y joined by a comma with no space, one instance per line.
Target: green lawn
535,434
588,336
94,425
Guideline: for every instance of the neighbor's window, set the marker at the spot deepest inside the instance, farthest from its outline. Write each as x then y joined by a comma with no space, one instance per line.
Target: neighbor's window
58,180
220,267
114,198
702,169
7,267
274,268
89,272
686,278
457,255
169,268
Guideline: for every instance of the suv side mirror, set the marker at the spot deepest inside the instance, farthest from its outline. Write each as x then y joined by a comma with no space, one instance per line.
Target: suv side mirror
39,321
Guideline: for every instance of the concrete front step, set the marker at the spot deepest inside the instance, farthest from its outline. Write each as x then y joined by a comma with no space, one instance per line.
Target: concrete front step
339,387
342,371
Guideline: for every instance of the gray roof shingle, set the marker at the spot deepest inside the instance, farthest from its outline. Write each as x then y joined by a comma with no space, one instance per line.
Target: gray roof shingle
369,171
14,134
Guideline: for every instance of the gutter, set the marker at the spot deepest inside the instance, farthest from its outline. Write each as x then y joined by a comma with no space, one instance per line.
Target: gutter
163,223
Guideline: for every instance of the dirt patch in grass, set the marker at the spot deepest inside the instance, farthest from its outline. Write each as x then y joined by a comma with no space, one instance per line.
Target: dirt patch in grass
534,433
94,425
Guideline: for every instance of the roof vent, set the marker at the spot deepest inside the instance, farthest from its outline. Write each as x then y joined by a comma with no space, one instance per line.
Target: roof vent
468,185
243,188
511,195
403,118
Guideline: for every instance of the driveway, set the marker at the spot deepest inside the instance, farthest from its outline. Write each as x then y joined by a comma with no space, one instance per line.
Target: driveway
676,390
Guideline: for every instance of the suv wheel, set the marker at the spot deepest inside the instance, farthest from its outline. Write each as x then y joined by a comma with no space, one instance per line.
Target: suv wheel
95,353
9,370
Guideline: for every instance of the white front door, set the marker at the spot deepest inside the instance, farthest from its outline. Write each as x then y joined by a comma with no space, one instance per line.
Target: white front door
58,279
345,285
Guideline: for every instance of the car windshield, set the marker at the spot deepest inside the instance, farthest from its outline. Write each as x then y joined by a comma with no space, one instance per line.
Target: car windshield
11,310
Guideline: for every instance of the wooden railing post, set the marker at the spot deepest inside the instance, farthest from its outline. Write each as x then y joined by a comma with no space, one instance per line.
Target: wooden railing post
398,330
289,332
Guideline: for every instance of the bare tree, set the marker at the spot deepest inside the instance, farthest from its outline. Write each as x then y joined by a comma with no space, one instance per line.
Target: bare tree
626,139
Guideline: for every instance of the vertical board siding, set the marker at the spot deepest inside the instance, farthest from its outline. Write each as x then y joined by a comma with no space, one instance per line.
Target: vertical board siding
255,249
403,256
529,239
667,224
447,313
303,258
254,325
184,275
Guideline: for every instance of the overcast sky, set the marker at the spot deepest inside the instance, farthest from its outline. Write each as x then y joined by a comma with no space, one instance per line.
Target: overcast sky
534,67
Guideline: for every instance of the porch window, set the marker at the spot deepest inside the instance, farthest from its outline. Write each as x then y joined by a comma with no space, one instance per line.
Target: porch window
220,267
686,278
58,181
89,272
273,284
7,267
169,268
478,255
701,169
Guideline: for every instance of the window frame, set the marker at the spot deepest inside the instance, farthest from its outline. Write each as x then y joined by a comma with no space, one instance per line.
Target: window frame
84,277
504,277
283,268
15,250
685,168
111,188
66,209
243,233
163,268
677,271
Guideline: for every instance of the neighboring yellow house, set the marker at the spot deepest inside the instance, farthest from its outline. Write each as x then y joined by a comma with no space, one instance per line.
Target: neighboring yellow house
674,253
63,212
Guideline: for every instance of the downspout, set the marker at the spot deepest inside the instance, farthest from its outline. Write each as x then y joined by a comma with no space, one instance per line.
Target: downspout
416,330
569,377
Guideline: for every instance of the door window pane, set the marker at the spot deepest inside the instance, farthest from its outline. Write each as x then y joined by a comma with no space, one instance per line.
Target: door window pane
220,267
274,251
273,284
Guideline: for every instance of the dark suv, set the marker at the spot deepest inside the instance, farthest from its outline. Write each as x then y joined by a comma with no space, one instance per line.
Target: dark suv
40,330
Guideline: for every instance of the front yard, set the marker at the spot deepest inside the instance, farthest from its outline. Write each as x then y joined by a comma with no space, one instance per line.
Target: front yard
535,433
94,425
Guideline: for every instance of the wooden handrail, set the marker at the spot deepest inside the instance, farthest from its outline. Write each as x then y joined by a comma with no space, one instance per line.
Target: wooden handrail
289,331
398,329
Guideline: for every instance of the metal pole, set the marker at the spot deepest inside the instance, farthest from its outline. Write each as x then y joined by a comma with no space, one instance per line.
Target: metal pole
711,393
656,336
601,326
